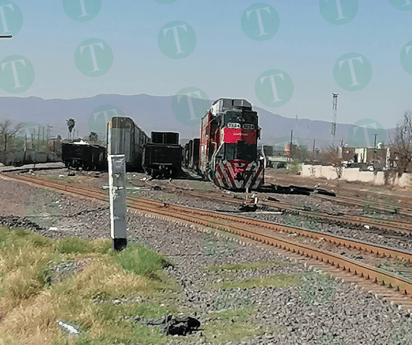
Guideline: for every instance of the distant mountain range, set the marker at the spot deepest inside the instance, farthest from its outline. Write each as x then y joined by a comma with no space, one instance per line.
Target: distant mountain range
161,113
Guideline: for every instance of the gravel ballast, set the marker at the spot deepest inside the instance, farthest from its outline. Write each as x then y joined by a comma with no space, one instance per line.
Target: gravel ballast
351,315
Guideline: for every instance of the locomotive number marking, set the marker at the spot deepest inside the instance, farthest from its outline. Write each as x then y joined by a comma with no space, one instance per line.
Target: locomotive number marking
233,125
248,126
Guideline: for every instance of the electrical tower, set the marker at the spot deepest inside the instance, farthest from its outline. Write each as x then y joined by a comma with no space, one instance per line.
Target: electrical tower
335,113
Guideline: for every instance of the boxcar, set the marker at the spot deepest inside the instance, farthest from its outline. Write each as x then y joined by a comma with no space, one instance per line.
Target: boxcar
193,162
125,137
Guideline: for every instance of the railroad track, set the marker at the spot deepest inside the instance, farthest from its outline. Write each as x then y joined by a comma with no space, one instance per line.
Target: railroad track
268,234
355,196
344,220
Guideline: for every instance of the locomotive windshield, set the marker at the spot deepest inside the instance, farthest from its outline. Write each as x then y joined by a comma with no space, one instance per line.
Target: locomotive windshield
241,150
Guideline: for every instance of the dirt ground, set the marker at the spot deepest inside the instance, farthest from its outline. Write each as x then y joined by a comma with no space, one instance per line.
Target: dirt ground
272,176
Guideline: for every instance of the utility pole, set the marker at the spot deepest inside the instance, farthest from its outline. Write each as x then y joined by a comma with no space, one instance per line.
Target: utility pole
335,113
291,143
374,144
42,141
313,150
48,137
38,138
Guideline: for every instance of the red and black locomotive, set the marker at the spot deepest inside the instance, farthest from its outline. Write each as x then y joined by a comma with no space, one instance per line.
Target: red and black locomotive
228,153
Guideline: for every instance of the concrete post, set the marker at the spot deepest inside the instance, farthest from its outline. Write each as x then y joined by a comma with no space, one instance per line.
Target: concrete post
117,197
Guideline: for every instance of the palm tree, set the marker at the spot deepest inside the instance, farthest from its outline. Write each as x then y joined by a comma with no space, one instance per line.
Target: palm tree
70,125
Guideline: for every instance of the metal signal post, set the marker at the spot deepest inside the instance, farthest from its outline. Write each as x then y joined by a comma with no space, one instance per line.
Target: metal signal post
117,197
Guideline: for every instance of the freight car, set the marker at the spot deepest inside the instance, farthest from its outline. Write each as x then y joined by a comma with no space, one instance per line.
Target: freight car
125,137
186,155
191,154
84,155
228,145
163,155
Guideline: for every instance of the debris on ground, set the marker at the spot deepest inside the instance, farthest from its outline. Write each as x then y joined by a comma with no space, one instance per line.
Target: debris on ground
248,208
325,192
172,325
68,327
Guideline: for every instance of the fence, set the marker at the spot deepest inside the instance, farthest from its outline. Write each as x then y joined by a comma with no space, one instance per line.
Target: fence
354,174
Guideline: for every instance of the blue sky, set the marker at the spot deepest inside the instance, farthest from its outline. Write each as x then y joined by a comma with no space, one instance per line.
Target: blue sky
224,62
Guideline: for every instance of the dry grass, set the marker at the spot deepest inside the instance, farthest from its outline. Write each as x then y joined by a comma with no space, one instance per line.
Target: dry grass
29,306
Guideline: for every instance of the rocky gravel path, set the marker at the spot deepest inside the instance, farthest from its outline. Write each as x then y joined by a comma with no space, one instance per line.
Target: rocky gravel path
333,313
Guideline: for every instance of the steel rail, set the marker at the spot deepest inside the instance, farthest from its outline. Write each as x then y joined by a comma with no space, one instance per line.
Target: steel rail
376,223
258,230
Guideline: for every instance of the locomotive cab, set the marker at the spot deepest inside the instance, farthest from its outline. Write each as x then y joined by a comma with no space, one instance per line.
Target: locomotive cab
228,149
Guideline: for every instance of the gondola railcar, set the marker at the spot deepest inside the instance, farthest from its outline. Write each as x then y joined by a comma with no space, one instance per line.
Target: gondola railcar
125,137
163,155
84,155
228,145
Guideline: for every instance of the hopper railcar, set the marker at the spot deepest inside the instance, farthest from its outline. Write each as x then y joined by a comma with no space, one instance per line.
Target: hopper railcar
228,154
163,155
84,155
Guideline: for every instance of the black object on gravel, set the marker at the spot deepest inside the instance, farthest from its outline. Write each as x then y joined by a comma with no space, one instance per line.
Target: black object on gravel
172,325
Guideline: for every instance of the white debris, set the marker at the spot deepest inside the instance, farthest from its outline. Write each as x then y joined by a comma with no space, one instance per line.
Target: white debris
367,227
67,327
